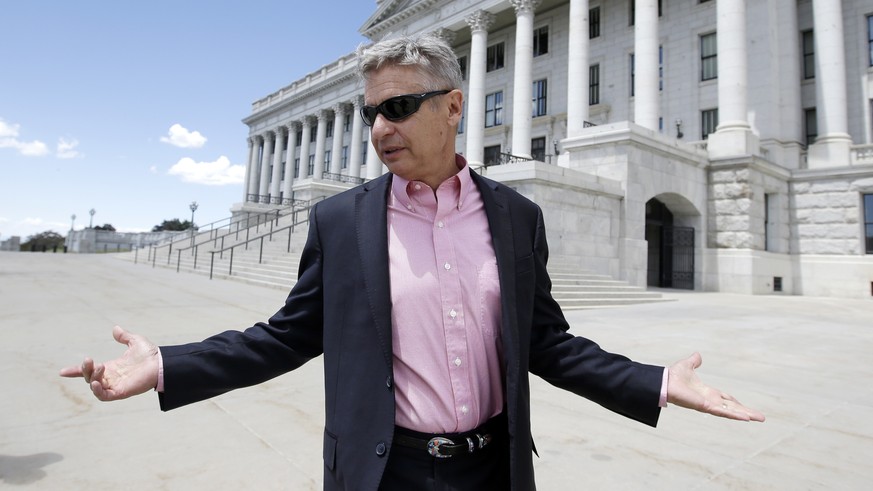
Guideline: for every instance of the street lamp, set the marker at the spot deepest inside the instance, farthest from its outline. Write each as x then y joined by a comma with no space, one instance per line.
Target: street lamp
91,223
193,207
73,222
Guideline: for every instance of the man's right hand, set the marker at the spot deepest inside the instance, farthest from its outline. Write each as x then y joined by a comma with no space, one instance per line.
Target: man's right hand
134,373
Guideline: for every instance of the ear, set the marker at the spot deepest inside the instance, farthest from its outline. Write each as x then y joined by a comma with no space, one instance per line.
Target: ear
455,106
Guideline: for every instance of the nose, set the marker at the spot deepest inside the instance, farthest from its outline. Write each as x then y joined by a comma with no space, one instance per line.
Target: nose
381,128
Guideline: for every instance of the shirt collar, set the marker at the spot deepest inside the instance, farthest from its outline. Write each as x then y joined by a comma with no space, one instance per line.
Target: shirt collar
402,188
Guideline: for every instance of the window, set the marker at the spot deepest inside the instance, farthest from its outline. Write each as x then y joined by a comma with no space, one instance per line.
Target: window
311,167
329,129
868,223
327,159
541,41
810,125
494,57
594,84
808,55
632,75
462,62
767,203
538,103
344,158
492,155
296,168
364,148
347,124
633,10
660,68
538,149
494,109
299,138
312,135
870,38
594,23
708,122
708,57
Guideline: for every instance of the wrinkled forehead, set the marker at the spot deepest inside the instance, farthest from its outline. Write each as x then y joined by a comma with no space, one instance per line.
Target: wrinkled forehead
392,80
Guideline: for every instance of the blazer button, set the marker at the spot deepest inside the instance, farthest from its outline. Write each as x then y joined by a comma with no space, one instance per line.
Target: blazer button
380,449
389,382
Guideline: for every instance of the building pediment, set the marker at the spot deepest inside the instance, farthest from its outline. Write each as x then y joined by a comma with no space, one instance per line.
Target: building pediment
390,13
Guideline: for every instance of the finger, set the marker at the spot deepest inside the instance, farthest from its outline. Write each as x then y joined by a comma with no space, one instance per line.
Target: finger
71,372
97,375
696,360
87,369
99,391
121,335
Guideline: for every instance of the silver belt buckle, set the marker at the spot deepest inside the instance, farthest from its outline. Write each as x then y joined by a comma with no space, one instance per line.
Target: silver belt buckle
433,446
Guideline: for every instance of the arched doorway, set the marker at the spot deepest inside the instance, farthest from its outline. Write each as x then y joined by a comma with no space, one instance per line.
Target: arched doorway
670,249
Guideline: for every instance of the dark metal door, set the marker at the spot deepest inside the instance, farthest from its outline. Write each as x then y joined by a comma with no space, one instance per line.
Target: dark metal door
678,257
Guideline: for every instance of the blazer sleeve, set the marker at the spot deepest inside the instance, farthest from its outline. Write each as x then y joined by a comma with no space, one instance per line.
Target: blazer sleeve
235,359
578,364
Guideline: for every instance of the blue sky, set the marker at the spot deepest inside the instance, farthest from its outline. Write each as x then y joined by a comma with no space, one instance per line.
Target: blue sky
134,109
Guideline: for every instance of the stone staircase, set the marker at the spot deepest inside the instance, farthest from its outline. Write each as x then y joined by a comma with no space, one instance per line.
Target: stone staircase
273,262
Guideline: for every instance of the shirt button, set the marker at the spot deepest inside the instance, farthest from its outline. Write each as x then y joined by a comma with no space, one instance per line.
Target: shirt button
453,314
440,224
381,449
409,207
457,362
447,266
389,382
417,187
464,409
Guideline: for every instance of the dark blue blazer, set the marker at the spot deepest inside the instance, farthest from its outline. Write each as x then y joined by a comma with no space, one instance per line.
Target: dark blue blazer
341,308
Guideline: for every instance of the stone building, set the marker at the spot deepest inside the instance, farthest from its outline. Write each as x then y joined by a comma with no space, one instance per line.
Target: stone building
718,146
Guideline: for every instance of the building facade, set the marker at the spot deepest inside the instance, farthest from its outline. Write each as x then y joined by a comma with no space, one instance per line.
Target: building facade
718,146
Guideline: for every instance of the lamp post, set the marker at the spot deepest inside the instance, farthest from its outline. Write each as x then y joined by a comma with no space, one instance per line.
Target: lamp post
193,207
91,223
73,222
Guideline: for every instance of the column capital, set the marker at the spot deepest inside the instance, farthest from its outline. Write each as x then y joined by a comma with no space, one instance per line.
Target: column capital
446,35
322,115
525,6
306,121
293,126
358,102
480,20
279,131
268,134
252,139
340,107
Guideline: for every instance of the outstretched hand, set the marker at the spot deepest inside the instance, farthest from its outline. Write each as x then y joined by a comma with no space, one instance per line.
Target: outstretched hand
135,372
685,389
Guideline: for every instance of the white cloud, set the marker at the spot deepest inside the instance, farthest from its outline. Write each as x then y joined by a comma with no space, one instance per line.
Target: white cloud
218,173
9,139
67,148
179,136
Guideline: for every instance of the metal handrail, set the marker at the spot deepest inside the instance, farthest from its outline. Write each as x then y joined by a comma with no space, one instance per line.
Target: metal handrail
290,228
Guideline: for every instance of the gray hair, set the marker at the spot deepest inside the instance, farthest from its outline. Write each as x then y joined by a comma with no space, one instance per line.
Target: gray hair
430,53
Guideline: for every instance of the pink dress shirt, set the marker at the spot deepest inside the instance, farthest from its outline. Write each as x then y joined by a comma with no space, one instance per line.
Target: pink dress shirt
445,306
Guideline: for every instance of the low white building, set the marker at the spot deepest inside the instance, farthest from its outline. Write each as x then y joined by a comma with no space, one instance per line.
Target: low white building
720,146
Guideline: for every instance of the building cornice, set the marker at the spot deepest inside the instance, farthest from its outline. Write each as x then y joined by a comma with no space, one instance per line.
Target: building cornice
379,23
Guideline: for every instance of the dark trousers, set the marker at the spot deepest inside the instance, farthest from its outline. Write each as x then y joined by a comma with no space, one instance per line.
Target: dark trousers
411,469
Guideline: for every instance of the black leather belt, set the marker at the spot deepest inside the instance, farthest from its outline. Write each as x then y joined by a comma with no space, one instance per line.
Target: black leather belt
442,447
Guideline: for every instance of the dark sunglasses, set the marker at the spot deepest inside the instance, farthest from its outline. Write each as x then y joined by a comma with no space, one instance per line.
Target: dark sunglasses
397,108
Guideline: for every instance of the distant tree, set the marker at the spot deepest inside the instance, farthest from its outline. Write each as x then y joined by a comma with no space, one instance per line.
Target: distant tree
172,225
47,240
106,226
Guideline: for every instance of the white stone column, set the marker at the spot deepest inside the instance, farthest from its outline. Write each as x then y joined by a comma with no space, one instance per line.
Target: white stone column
305,136
266,158
355,155
832,147
320,137
577,68
288,183
336,158
733,135
479,23
276,179
523,76
374,163
646,45
254,181
250,174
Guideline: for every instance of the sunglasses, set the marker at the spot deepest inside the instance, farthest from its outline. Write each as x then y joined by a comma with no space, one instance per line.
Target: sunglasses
397,108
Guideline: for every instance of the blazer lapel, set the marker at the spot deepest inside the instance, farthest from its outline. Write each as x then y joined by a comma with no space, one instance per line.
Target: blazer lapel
500,222
371,230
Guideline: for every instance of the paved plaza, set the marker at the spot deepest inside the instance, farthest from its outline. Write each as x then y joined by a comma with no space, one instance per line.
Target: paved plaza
807,363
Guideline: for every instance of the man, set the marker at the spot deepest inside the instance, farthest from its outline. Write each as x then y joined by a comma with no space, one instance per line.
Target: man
427,293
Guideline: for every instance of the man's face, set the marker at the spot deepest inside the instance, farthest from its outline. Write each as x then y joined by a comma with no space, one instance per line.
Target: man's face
420,147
